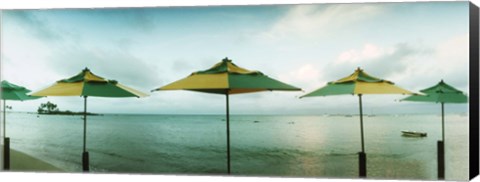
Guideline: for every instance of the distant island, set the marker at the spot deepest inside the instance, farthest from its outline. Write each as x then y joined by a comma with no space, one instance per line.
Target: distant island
52,109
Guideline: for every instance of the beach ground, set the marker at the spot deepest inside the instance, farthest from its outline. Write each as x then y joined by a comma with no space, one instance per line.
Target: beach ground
22,162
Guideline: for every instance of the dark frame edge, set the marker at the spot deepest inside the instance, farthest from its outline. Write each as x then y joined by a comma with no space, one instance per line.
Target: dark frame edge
474,90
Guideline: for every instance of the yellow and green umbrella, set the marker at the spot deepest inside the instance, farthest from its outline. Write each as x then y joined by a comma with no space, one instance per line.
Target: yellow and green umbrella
87,84
440,93
11,91
359,83
227,78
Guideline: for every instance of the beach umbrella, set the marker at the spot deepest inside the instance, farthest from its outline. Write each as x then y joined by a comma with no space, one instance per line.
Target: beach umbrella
226,78
10,91
359,83
440,93
86,84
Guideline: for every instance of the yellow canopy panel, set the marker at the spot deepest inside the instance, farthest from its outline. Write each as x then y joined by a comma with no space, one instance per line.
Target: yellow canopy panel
131,90
61,89
378,88
89,76
236,69
199,81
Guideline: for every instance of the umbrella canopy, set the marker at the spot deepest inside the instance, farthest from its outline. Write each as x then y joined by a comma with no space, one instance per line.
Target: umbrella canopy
439,93
11,91
227,78
359,83
88,84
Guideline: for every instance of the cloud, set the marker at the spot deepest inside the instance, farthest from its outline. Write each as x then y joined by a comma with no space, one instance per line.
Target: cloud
449,60
306,21
306,76
413,66
31,22
386,62
383,61
111,63
139,19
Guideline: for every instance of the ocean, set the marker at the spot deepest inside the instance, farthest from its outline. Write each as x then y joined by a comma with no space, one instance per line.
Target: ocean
261,145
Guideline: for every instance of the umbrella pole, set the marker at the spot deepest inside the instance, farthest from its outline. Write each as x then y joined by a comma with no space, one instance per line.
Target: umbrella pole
228,135
361,121
443,122
362,156
84,123
4,121
441,149
85,163
6,141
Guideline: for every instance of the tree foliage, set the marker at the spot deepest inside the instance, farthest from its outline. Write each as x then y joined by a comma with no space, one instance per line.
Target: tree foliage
46,108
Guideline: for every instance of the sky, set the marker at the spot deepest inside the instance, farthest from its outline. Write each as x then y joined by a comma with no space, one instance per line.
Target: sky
414,45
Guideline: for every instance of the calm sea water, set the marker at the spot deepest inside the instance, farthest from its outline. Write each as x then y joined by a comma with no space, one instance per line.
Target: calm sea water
310,146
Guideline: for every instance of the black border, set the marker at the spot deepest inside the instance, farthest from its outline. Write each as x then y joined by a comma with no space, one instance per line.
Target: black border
474,91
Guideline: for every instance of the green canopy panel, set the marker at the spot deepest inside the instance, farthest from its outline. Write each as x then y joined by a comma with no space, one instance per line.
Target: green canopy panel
440,93
11,91
441,87
438,98
238,81
333,89
105,89
9,86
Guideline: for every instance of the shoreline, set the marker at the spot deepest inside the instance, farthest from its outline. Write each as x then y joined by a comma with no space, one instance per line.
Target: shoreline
22,162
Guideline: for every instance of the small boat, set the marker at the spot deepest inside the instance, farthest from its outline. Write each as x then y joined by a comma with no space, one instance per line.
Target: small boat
413,134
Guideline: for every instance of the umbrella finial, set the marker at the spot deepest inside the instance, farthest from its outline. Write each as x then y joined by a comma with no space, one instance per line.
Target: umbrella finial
226,59
86,69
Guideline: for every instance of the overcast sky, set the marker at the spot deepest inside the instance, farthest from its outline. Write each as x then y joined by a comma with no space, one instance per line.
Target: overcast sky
412,44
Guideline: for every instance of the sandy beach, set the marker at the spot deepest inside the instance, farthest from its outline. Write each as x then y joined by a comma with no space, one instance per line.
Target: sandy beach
23,162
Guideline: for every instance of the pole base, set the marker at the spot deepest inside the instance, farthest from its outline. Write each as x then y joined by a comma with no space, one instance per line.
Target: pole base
85,162
441,160
6,154
362,164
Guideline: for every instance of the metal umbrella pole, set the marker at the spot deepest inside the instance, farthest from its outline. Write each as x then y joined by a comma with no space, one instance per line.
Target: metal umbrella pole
362,156
441,148
85,161
6,141
228,134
